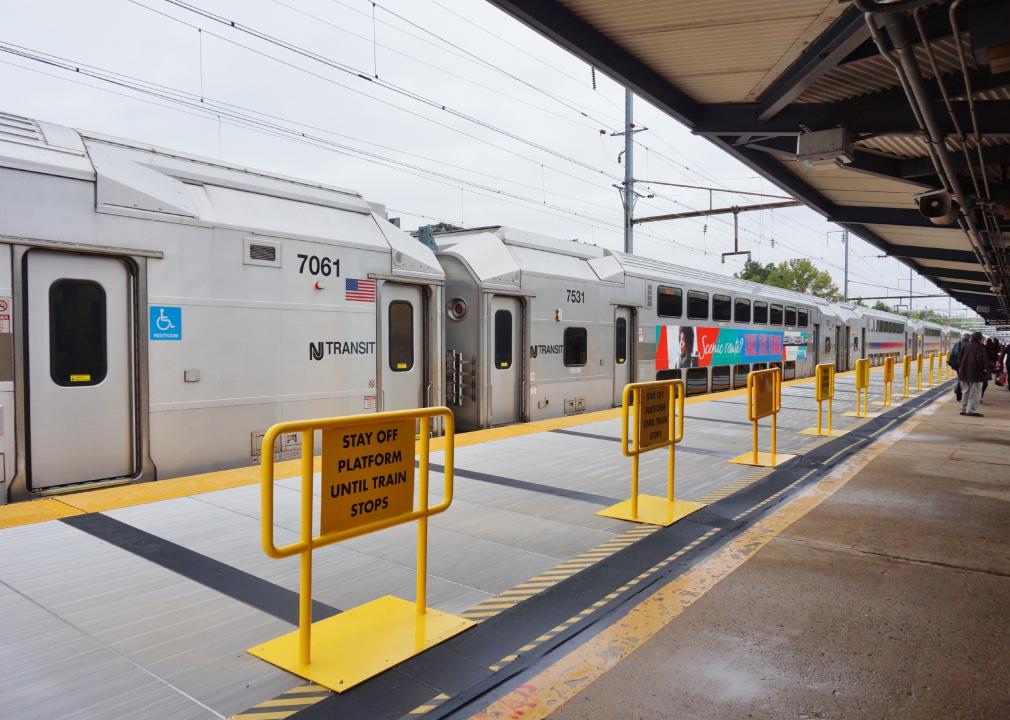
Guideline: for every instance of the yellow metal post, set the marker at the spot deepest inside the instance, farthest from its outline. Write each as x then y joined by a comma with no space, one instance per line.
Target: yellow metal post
362,641
658,404
906,373
918,371
305,558
672,438
829,415
764,398
819,417
420,598
636,393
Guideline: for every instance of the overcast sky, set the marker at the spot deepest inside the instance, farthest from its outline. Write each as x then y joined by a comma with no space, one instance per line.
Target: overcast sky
519,141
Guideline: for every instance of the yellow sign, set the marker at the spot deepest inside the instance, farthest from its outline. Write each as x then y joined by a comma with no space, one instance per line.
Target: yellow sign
825,384
368,474
889,370
862,374
80,378
764,394
654,417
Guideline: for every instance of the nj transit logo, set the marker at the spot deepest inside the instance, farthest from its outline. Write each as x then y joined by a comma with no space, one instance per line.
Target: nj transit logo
165,322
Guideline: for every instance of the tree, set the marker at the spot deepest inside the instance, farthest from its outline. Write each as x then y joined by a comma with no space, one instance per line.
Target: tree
755,272
796,274
881,305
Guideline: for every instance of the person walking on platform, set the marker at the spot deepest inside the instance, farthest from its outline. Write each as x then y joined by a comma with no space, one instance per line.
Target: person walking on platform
971,370
954,357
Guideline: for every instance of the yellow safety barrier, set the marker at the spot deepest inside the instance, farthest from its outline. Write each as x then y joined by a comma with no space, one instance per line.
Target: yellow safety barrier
824,390
862,391
906,376
764,399
918,372
658,423
367,485
888,399
932,366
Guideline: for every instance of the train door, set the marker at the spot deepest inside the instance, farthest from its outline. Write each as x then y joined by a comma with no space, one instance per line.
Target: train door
817,344
841,345
862,344
622,352
81,344
505,358
402,362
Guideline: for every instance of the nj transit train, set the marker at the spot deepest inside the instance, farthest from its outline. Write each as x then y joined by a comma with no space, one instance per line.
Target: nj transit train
159,311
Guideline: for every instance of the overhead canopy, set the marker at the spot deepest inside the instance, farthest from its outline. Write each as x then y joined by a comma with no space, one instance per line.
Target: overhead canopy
754,76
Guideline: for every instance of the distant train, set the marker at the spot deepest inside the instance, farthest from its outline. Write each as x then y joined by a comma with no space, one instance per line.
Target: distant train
159,311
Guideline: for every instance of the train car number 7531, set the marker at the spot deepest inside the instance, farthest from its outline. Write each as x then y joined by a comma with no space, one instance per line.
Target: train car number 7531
576,296
316,265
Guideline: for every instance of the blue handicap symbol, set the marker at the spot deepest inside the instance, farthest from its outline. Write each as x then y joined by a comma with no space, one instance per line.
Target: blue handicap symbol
165,322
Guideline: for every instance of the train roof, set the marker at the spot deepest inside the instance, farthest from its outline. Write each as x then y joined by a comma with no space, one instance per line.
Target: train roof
145,181
498,255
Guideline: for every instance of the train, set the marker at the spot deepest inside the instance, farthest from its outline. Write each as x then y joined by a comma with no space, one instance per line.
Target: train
159,311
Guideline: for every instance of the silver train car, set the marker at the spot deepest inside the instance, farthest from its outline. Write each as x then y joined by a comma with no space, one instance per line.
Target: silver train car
159,311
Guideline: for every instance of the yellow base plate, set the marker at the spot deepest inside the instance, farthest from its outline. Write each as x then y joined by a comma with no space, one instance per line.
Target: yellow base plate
358,644
764,459
652,510
823,433
865,416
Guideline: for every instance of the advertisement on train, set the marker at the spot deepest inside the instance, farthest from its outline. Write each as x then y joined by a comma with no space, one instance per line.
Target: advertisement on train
683,346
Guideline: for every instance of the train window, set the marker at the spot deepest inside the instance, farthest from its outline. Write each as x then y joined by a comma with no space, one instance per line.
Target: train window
576,346
855,342
697,381
776,315
722,307
804,318
790,370
697,305
827,344
77,344
761,313
401,336
668,375
740,373
503,339
621,341
742,311
790,317
759,366
669,301
720,378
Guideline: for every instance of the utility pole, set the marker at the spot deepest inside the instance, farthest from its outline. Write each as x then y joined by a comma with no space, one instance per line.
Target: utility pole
627,189
845,240
629,174
909,290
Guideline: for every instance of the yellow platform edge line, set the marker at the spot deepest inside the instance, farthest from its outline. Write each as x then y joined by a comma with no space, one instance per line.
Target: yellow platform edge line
29,512
571,674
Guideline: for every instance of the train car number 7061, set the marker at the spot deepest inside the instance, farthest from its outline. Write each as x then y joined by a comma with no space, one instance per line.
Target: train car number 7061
316,265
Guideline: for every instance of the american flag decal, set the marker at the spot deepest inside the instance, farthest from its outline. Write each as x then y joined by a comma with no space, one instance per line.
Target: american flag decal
359,290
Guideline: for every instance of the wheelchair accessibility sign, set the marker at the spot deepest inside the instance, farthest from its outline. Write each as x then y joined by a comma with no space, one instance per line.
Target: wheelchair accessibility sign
165,322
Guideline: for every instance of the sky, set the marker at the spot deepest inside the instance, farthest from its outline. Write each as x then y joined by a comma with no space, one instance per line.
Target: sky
442,110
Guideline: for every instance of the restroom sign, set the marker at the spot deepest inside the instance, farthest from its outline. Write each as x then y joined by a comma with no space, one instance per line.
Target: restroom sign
165,322
368,474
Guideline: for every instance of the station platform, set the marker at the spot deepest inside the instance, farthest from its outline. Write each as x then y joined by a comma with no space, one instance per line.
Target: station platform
142,601
881,591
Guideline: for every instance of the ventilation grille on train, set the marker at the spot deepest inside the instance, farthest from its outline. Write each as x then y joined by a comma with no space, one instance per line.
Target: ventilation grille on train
262,252
19,129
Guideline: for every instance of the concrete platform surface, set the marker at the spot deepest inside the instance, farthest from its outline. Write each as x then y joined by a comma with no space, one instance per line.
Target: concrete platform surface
891,599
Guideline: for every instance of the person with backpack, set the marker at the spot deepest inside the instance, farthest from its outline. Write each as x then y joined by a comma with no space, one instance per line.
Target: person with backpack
953,358
971,371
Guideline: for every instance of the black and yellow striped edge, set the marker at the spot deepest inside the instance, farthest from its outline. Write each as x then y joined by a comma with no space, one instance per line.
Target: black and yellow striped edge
549,578
286,704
